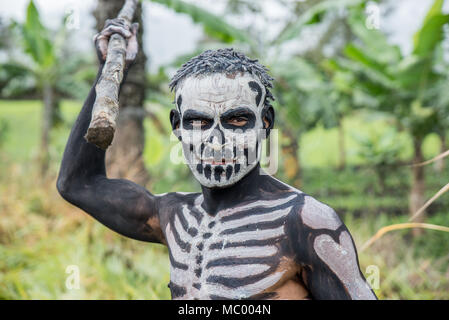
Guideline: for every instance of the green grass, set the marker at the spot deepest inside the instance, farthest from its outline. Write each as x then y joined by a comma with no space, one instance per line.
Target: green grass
23,118
319,147
41,235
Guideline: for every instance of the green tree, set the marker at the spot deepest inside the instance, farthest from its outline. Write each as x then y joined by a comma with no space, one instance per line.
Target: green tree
44,67
302,87
402,86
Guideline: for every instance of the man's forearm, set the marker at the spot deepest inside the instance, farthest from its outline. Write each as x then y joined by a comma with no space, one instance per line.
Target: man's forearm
81,159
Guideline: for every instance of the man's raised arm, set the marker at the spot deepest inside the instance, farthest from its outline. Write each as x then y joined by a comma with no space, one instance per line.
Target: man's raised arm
119,204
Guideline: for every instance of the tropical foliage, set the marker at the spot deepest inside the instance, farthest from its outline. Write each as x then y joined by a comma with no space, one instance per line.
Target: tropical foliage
354,111
43,67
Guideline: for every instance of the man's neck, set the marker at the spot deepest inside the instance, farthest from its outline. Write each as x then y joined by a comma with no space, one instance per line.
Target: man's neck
247,188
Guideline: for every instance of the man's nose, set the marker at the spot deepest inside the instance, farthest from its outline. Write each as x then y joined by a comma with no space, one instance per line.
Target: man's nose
217,137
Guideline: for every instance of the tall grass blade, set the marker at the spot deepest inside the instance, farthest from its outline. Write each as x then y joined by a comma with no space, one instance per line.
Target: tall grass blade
400,226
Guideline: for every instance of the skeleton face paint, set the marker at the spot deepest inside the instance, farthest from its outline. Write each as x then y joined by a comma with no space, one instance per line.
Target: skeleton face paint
221,126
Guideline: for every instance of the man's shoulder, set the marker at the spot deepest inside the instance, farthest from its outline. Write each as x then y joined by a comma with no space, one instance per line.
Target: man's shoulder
313,213
317,215
177,199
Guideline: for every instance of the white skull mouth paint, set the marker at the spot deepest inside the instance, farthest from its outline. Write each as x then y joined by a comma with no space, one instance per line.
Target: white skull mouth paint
221,125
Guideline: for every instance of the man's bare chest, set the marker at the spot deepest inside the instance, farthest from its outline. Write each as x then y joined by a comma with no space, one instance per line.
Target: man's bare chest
235,254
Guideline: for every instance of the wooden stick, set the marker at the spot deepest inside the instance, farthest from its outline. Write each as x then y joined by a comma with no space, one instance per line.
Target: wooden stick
106,107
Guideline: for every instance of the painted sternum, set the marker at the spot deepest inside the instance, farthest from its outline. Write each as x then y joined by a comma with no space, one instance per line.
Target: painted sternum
232,255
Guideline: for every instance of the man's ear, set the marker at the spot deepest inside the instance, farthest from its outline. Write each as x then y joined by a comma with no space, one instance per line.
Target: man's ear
268,119
175,121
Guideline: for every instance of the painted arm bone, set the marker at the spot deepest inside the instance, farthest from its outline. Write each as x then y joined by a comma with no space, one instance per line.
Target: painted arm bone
331,267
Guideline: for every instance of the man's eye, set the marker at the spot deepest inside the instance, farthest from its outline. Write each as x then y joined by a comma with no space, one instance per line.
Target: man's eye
238,121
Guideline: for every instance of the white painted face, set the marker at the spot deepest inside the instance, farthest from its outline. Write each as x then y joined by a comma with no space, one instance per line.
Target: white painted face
221,126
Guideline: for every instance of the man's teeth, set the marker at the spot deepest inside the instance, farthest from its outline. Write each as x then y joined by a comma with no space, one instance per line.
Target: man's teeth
222,162
212,161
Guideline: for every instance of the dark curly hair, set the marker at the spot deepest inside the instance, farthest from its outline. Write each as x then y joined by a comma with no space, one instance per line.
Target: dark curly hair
226,61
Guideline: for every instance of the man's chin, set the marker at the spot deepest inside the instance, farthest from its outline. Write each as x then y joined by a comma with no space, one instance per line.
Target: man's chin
217,185
206,177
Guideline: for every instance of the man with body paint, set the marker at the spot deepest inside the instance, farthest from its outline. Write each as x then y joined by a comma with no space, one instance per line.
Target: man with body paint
246,235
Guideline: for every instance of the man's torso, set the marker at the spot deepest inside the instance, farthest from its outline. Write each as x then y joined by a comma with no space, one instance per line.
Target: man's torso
241,252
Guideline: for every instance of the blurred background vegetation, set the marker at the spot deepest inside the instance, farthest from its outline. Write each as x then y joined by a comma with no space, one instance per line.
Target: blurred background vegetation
353,110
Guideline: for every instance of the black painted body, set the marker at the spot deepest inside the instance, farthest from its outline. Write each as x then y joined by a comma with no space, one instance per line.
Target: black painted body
133,211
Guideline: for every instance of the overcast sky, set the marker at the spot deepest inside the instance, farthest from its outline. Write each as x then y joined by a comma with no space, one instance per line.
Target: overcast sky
168,34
